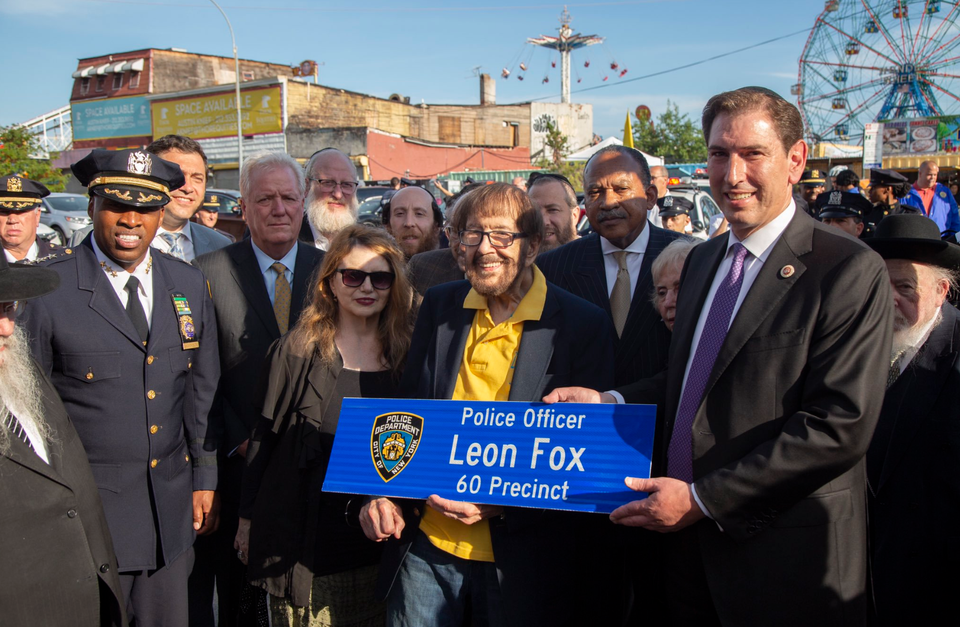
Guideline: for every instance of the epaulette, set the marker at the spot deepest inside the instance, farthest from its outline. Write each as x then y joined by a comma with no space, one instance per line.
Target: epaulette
60,255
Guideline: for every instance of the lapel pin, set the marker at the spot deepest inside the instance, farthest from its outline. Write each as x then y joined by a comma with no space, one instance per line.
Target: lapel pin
787,271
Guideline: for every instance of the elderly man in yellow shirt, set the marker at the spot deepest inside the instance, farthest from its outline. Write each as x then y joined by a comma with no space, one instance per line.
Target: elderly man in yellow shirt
504,334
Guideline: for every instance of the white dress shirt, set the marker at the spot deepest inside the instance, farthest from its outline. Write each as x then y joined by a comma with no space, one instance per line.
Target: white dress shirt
635,252
319,241
186,241
32,253
269,276
119,282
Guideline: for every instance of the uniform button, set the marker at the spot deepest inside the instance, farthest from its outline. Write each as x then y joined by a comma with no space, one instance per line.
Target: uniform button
150,359
190,365
89,376
186,457
151,395
154,428
153,463
104,568
71,513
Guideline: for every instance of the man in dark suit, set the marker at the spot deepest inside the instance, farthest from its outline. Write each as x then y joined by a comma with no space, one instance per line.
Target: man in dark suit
69,571
611,267
511,569
435,267
330,203
20,206
258,287
913,458
774,385
129,341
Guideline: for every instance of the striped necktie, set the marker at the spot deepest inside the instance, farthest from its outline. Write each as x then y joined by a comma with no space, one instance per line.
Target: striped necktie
10,422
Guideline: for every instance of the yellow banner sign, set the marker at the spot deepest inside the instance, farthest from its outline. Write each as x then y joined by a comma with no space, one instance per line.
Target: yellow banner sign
216,116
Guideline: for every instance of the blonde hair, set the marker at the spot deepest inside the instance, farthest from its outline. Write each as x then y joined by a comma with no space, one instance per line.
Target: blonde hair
317,325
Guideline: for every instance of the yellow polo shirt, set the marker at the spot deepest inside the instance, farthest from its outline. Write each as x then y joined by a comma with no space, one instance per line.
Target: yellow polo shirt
486,373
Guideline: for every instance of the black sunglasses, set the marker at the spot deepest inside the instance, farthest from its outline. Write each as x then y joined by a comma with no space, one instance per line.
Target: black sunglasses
355,278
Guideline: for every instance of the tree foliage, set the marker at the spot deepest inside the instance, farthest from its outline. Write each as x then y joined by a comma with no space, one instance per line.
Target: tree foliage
673,136
555,148
16,146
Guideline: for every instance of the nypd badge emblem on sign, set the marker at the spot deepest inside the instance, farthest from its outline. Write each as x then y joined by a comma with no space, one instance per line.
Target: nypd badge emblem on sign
394,442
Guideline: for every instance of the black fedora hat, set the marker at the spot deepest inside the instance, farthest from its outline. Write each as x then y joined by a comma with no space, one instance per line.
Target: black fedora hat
25,282
914,237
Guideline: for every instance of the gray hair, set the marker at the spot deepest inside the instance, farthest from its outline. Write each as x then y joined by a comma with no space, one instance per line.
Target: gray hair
262,161
950,275
674,255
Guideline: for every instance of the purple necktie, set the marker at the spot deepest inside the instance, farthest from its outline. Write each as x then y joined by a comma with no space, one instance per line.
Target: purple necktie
680,452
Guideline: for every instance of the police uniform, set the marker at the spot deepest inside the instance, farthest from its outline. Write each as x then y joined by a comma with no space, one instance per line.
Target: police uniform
21,195
673,206
140,407
885,178
837,204
810,178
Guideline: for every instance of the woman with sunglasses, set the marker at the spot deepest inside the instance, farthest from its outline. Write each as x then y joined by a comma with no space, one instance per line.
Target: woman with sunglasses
351,341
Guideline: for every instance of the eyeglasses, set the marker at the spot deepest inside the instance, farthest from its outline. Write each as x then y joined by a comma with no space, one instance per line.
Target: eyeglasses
328,185
355,278
498,239
10,310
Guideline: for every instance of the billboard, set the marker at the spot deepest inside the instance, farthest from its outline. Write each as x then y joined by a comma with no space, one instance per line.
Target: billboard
202,117
113,117
920,136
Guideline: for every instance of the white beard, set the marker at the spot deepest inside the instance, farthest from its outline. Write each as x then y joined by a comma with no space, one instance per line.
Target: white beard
905,338
19,388
326,221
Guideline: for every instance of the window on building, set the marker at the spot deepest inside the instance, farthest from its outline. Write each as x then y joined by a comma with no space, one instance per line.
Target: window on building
84,86
100,81
134,80
117,81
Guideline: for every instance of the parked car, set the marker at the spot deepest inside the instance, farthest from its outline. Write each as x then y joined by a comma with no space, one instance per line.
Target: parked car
46,233
369,211
64,213
230,217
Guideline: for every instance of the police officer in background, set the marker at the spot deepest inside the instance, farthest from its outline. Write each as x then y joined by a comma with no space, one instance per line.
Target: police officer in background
130,343
843,210
886,187
19,218
811,186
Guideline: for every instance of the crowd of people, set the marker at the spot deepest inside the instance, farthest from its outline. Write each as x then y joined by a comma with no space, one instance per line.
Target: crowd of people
170,398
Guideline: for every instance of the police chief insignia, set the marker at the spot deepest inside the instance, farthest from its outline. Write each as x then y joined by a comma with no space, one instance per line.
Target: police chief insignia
394,441
139,163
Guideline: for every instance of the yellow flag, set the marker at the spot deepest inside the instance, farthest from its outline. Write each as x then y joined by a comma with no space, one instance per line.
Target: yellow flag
627,133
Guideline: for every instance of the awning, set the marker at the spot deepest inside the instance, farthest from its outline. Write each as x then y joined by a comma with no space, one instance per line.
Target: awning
118,67
87,71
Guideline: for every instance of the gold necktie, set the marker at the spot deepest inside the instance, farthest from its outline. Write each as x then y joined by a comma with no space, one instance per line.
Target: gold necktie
281,297
620,296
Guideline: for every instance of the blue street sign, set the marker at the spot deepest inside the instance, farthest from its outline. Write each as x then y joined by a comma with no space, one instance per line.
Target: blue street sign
565,456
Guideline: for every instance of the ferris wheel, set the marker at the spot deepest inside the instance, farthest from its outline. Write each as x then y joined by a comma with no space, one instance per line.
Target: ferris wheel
870,60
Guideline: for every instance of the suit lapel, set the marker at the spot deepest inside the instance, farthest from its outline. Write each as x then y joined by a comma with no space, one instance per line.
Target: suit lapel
450,344
535,353
103,300
302,273
767,291
589,276
163,289
246,272
641,293
925,377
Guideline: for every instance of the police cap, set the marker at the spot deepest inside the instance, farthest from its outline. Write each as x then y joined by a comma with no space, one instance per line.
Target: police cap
671,206
837,204
130,177
20,194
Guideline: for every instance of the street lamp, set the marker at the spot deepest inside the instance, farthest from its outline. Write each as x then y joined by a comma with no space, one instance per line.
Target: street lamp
236,67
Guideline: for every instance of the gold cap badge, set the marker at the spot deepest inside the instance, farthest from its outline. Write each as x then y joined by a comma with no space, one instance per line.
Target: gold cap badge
14,184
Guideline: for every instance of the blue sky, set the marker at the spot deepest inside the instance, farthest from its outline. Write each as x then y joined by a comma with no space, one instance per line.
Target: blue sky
425,49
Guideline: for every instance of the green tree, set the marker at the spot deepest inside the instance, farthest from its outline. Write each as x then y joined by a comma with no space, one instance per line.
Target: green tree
556,147
16,146
673,136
